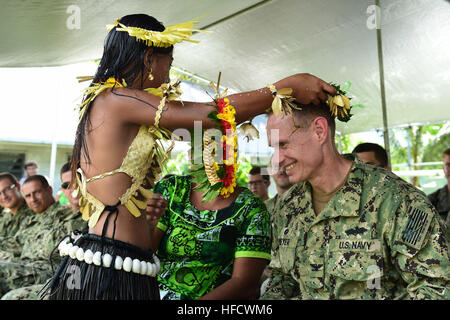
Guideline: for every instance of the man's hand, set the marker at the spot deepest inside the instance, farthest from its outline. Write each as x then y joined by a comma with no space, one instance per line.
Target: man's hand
156,206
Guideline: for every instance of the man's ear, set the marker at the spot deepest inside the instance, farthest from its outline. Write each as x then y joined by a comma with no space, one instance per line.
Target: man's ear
320,129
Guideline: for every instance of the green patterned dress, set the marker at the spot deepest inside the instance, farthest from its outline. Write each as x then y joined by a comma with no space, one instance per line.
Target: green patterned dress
199,247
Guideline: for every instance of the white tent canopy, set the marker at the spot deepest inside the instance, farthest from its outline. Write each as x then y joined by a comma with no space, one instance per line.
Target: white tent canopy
255,43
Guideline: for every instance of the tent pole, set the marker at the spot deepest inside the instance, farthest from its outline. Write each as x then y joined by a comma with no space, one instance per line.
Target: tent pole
254,6
53,161
383,93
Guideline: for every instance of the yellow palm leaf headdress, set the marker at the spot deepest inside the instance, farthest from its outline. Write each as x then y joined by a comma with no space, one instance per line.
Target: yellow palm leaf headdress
171,34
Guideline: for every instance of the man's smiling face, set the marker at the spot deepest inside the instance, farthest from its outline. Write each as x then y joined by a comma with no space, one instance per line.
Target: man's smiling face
295,148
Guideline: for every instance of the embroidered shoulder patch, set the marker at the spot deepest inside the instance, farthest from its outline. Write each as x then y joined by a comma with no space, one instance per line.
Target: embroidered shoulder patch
416,227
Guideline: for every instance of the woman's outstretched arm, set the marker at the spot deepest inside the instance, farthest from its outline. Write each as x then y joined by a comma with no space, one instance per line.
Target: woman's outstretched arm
137,106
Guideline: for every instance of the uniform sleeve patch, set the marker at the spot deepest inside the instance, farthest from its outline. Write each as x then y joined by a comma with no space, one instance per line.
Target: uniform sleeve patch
416,227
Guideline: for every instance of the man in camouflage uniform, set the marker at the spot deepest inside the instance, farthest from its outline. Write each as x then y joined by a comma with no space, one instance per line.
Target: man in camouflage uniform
51,224
259,182
282,184
16,208
372,153
349,230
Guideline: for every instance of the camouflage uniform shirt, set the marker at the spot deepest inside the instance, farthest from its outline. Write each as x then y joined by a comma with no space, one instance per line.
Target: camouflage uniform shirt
10,223
271,205
377,238
48,228
44,231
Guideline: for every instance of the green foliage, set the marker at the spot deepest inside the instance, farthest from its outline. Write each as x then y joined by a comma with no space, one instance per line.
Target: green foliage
212,192
433,129
213,116
410,145
426,143
178,165
433,151
346,143
399,153
244,168
417,136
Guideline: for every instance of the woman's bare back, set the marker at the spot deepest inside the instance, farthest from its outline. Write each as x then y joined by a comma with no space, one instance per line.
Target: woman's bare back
108,141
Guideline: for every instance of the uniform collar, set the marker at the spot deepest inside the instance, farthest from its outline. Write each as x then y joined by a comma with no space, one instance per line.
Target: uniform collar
346,202
52,207
297,201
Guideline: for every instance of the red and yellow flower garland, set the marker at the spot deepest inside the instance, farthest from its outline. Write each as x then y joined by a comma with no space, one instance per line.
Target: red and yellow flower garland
210,177
226,116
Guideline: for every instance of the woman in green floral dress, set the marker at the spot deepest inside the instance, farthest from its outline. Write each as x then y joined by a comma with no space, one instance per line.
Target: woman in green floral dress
210,250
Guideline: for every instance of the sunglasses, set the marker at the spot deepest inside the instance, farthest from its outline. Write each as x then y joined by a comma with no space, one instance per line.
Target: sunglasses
65,185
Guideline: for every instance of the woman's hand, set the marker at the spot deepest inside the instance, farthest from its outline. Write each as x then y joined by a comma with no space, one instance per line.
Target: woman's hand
307,88
156,206
245,281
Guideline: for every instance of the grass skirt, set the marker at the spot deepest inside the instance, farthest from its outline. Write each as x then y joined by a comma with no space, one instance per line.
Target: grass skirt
77,280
